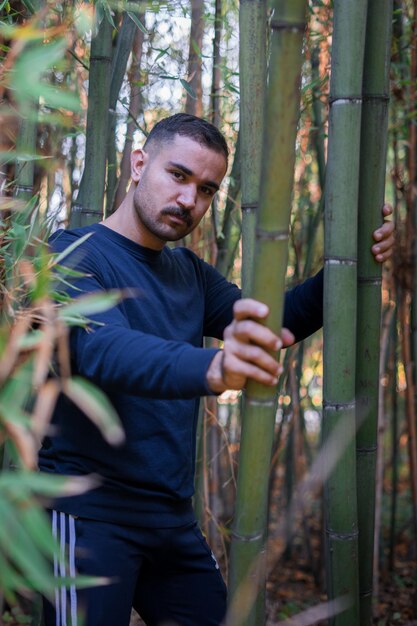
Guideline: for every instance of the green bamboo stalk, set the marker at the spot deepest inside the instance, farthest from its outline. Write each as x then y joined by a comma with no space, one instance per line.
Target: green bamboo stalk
247,562
394,442
216,73
252,63
228,239
341,198
134,109
374,129
26,138
121,54
88,207
194,104
25,145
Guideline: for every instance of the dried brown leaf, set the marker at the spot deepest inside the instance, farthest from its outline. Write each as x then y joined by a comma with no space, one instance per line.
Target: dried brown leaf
24,442
44,406
10,355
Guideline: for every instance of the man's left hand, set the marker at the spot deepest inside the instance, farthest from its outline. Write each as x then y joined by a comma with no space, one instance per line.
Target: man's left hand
384,236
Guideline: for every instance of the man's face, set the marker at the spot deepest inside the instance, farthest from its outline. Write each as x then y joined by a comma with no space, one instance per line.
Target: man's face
175,185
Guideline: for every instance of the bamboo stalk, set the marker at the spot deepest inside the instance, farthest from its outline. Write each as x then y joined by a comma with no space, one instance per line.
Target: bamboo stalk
374,127
134,109
341,198
216,73
26,136
88,207
394,445
121,54
228,240
194,105
381,427
252,63
247,563
25,145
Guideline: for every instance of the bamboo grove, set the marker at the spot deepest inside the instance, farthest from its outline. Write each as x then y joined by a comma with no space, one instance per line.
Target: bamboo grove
308,492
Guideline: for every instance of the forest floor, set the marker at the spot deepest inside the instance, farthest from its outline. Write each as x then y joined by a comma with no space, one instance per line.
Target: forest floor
293,588
296,583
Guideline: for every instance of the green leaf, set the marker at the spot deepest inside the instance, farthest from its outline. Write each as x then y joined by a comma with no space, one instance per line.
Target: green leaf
16,543
96,406
30,340
16,392
22,483
62,255
91,304
188,88
109,16
162,52
25,78
137,22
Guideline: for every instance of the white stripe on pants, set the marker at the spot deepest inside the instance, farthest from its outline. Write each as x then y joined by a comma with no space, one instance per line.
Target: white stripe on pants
59,525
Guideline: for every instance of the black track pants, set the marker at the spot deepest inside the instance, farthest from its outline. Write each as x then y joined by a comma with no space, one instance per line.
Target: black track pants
169,575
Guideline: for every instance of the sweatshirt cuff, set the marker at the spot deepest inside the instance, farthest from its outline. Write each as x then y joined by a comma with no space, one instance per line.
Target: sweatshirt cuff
192,366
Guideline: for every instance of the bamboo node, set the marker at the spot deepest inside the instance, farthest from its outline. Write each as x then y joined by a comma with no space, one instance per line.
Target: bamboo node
260,401
249,538
340,261
249,206
345,100
352,536
100,57
384,97
339,406
78,208
23,189
295,27
363,451
274,235
370,280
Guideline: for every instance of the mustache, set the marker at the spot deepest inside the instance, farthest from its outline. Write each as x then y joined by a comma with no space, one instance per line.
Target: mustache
178,212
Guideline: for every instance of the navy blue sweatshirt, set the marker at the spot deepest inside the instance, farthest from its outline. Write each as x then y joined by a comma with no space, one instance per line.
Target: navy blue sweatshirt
147,356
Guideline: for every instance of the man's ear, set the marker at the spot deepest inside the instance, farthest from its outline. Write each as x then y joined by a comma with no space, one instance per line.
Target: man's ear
138,159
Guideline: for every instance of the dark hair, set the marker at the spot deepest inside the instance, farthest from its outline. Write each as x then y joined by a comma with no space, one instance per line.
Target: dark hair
188,126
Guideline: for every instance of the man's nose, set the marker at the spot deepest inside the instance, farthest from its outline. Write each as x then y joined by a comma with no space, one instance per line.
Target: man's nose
187,197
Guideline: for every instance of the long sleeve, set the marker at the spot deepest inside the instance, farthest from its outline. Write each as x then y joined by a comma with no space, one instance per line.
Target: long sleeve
303,308
119,352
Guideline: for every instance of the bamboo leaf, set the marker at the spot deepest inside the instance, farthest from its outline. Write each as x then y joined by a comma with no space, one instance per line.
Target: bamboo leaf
137,22
23,483
15,393
17,545
56,260
96,406
188,88
162,52
64,269
25,79
91,304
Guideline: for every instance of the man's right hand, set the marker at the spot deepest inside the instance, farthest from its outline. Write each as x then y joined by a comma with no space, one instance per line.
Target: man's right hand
247,350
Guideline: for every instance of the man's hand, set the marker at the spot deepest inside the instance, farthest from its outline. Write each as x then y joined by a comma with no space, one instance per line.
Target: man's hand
384,236
247,350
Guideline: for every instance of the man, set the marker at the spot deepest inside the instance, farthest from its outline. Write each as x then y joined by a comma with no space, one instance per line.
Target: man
137,527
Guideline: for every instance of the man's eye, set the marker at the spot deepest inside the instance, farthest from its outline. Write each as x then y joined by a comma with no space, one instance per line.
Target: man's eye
178,175
208,191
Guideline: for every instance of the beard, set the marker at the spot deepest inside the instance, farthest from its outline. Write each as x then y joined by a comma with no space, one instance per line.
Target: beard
155,221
